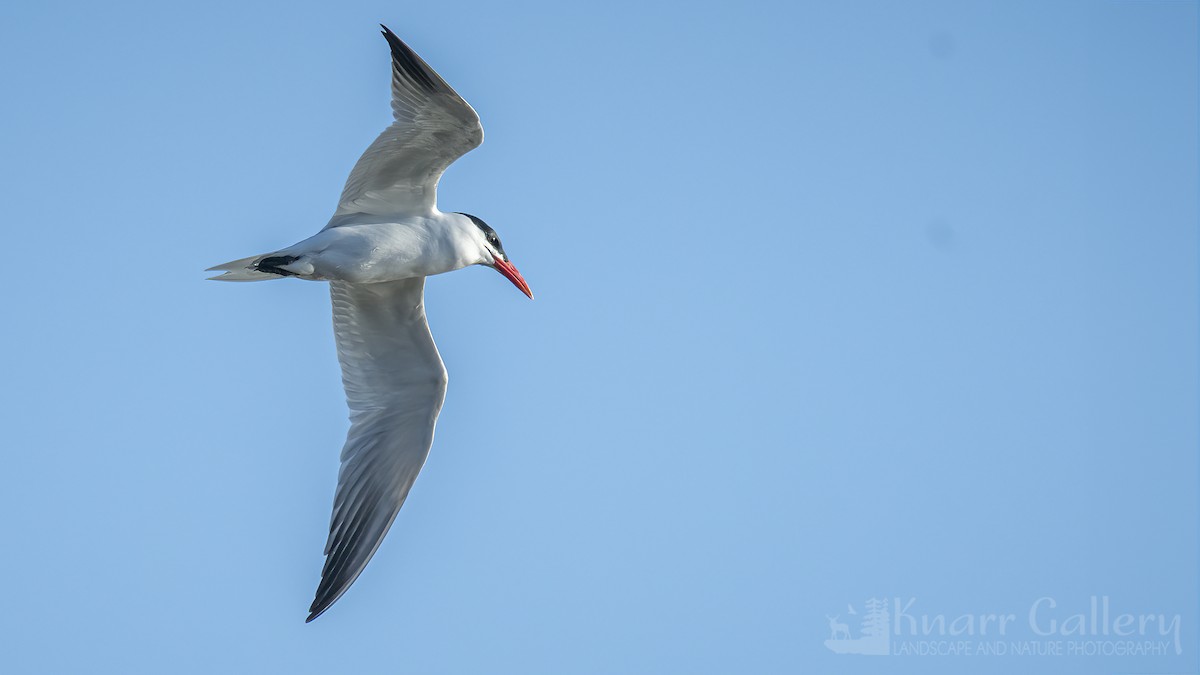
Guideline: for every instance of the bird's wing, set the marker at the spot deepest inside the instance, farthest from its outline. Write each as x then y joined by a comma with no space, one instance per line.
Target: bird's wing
395,383
399,172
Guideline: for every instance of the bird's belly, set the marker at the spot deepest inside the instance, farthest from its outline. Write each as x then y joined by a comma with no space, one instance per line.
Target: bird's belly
373,254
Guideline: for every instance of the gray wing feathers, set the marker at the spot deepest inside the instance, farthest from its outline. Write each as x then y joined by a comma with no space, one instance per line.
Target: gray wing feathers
399,172
395,384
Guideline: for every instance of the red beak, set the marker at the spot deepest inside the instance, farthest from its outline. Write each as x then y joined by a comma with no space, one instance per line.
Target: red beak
507,269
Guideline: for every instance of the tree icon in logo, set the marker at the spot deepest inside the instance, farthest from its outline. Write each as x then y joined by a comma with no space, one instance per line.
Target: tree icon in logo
873,629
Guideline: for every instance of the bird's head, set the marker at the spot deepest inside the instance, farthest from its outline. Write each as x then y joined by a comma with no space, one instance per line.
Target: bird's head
492,254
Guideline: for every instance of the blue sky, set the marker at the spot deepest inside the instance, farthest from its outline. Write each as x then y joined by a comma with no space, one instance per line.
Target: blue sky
835,301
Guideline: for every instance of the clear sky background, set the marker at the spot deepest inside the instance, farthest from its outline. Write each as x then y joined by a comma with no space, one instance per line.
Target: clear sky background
835,301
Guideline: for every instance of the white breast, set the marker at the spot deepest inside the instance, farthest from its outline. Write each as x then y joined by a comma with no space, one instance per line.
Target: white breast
373,250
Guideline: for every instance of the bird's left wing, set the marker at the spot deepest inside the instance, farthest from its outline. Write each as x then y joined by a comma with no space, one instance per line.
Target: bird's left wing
395,384
398,174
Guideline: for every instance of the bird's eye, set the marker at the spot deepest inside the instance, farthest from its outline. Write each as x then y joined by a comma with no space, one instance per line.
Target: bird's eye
493,239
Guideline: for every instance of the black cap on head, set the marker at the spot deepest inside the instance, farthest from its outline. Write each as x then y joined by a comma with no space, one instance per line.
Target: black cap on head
488,232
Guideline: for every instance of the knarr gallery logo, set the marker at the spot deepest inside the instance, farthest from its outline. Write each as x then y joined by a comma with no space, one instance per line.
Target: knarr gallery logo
1093,627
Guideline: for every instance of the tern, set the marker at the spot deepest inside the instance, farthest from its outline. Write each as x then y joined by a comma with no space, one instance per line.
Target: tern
386,236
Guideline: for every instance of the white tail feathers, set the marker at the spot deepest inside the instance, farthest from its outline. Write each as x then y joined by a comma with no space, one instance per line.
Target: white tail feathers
242,270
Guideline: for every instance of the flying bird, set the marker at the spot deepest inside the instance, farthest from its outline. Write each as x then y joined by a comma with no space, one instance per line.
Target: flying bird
385,237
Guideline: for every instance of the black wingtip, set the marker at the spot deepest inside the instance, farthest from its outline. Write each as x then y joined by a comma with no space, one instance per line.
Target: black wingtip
316,610
393,39
404,59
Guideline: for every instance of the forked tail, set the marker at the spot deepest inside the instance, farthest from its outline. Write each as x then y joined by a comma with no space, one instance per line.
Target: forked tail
262,267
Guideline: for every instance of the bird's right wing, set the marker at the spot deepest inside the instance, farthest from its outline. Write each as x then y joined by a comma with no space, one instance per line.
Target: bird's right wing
398,174
395,384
